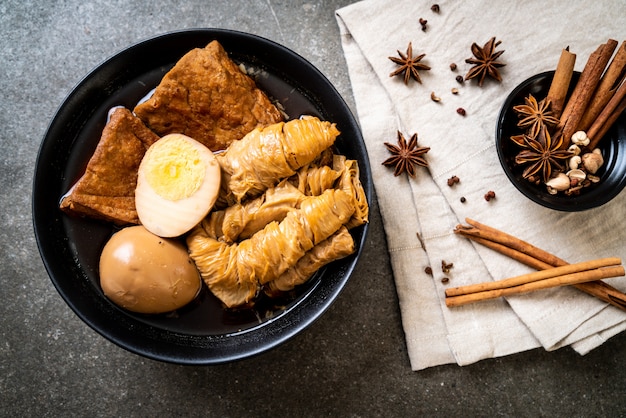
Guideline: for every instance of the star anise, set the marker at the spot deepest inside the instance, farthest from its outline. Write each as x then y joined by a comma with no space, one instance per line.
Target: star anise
519,140
485,62
534,115
406,156
543,155
409,65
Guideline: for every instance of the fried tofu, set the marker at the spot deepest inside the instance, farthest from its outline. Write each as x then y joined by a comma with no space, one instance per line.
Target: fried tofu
206,96
107,188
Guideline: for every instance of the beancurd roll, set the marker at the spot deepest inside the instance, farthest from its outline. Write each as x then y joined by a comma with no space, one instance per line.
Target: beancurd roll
213,224
351,184
271,252
326,213
266,155
246,265
313,180
242,220
220,269
305,139
337,246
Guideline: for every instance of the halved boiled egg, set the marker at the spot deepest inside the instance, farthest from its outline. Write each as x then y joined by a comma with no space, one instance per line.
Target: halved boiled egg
177,185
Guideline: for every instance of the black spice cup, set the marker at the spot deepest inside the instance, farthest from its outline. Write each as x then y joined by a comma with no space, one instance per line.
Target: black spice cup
612,174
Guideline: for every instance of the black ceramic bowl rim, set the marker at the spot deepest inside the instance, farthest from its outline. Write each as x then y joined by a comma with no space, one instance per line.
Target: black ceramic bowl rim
613,145
59,254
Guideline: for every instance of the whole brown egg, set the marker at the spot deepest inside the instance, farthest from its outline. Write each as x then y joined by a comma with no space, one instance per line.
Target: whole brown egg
145,273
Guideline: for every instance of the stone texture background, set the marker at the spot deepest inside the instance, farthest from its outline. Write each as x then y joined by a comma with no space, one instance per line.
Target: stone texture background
351,362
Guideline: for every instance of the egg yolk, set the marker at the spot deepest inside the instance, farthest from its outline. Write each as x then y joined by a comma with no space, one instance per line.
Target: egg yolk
175,172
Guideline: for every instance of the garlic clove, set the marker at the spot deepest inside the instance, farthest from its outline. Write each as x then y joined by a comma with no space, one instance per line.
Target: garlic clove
576,174
593,179
574,162
574,149
580,138
592,161
559,183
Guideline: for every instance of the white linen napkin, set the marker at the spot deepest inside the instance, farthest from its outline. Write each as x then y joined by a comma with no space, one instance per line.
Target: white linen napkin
419,214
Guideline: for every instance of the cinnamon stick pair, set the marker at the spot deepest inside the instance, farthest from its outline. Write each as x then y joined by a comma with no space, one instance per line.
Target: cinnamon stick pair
607,88
553,277
607,117
537,258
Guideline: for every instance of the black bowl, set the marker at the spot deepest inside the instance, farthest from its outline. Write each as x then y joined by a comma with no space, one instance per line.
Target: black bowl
203,332
613,146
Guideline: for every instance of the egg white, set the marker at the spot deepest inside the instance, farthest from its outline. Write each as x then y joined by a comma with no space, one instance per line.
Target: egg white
171,217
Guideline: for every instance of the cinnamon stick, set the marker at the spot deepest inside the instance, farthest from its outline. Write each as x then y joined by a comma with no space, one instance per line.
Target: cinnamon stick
607,117
535,257
510,241
584,90
609,83
605,292
560,82
540,275
562,280
510,252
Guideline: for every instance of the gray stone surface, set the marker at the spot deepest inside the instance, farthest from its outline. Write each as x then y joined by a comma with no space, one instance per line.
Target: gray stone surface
351,362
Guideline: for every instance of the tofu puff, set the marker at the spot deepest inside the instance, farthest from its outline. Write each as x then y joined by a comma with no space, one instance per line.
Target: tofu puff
208,98
107,188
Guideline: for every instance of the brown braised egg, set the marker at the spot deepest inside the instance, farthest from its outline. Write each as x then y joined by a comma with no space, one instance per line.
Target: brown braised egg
145,273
